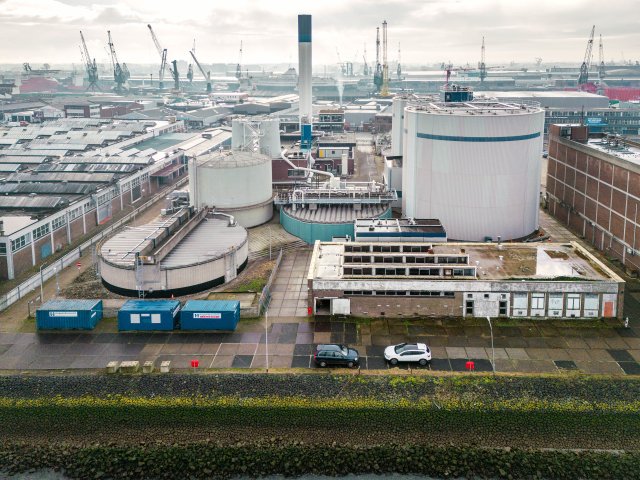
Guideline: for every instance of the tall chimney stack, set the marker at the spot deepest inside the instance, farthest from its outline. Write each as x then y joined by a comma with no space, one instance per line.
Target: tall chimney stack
304,69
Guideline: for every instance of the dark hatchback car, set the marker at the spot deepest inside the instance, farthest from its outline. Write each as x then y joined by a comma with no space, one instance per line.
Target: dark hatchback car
336,355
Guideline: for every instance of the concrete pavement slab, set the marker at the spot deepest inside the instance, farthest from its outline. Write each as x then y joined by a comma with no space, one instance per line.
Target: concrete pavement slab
456,352
517,353
476,352
579,354
599,368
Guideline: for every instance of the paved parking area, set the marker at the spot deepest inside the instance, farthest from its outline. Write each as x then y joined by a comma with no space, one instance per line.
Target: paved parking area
289,289
532,348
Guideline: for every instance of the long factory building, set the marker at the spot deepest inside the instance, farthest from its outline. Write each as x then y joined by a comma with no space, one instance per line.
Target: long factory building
74,175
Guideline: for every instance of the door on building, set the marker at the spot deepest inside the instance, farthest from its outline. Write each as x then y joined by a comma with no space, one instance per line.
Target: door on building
468,307
45,250
323,306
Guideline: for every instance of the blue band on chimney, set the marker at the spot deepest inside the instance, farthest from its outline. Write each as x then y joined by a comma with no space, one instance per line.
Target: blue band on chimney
304,28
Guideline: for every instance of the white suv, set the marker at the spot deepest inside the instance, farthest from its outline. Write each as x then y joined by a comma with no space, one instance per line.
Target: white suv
408,352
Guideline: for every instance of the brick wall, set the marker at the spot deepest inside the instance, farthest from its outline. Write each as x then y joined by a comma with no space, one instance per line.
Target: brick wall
596,196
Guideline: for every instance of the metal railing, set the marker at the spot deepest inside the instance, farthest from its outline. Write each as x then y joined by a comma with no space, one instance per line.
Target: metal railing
265,296
58,265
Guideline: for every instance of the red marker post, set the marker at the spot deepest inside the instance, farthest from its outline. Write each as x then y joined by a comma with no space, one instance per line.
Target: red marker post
78,264
195,363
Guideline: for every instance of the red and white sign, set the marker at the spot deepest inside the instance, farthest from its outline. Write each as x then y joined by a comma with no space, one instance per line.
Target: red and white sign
78,264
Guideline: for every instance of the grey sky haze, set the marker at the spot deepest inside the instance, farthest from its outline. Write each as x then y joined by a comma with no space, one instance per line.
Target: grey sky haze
430,31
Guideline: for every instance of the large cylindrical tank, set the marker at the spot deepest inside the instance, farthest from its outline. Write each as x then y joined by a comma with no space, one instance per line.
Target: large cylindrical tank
234,182
267,128
475,167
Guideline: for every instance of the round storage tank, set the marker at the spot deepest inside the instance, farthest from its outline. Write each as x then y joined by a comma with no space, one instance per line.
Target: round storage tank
244,129
475,167
233,182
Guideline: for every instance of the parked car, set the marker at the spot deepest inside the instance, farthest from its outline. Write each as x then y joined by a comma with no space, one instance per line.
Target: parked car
336,355
408,352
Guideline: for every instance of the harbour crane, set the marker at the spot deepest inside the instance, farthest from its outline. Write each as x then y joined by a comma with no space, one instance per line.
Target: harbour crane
583,78
163,58
207,75
239,66
601,69
90,65
175,75
482,66
365,69
377,74
399,68
190,73
384,91
120,72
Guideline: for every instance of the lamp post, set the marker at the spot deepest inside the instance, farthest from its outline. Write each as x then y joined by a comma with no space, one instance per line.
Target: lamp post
493,352
266,339
42,284
55,270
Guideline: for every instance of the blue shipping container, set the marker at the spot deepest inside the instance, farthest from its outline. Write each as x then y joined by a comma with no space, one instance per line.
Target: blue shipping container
148,315
210,315
69,315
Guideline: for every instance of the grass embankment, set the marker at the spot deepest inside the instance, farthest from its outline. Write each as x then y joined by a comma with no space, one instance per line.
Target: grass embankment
482,425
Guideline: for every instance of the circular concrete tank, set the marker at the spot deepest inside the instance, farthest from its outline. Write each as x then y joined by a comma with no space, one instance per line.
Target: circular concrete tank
233,182
213,252
474,166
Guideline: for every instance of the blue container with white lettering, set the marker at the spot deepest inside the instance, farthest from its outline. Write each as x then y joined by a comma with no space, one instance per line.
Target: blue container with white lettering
148,315
210,315
69,315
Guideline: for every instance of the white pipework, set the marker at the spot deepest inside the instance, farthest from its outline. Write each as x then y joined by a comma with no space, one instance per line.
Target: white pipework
304,169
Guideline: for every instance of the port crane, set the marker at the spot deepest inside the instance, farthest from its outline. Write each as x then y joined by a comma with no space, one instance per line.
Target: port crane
163,58
583,78
207,75
377,73
190,73
482,66
90,65
399,68
239,66
365,69
120,72
601,69
175,75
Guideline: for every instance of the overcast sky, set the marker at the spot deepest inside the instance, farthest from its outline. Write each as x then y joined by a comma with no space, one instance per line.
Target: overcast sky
429,31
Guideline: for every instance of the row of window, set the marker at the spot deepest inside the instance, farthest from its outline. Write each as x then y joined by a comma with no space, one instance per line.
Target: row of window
41,231
59,222
423,272
406,259
388,248
399,293
20,242
295,173
556,301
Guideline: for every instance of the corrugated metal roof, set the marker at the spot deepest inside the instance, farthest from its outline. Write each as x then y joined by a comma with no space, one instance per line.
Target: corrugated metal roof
211,239
62,176
40,202
9,167
211,306
50,188
336,213
72,305
21,159
150,305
